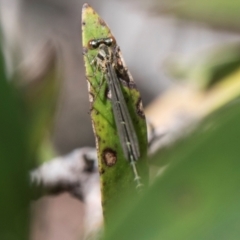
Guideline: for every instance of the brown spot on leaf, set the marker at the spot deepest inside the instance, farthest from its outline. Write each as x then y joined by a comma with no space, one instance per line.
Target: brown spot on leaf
139,107
109,157
101,171
122,71
101,22
98,138
104,184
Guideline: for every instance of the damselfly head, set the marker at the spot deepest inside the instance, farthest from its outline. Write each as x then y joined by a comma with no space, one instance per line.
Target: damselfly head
95,43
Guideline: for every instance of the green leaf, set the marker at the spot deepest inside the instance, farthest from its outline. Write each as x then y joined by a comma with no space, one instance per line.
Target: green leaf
14,164
115,171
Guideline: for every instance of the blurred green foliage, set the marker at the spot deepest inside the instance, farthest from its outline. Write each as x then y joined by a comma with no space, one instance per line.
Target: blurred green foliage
197,197
14,164
219,13
26,114
39,90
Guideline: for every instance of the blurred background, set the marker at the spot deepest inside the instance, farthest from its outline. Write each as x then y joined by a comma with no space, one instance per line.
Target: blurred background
150,35
159,39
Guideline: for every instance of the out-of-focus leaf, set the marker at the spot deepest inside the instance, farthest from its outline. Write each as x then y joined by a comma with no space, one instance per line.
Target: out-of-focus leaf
197,197
220,13
39,82
14,164
204,71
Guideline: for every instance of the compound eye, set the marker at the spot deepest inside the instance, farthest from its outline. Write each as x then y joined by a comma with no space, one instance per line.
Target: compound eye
110,41
93,44
113,40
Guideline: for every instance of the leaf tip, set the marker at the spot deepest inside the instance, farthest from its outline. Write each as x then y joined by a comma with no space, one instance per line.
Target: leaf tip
85,6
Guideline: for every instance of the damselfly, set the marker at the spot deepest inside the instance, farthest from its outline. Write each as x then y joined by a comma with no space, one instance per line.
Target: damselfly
106,61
